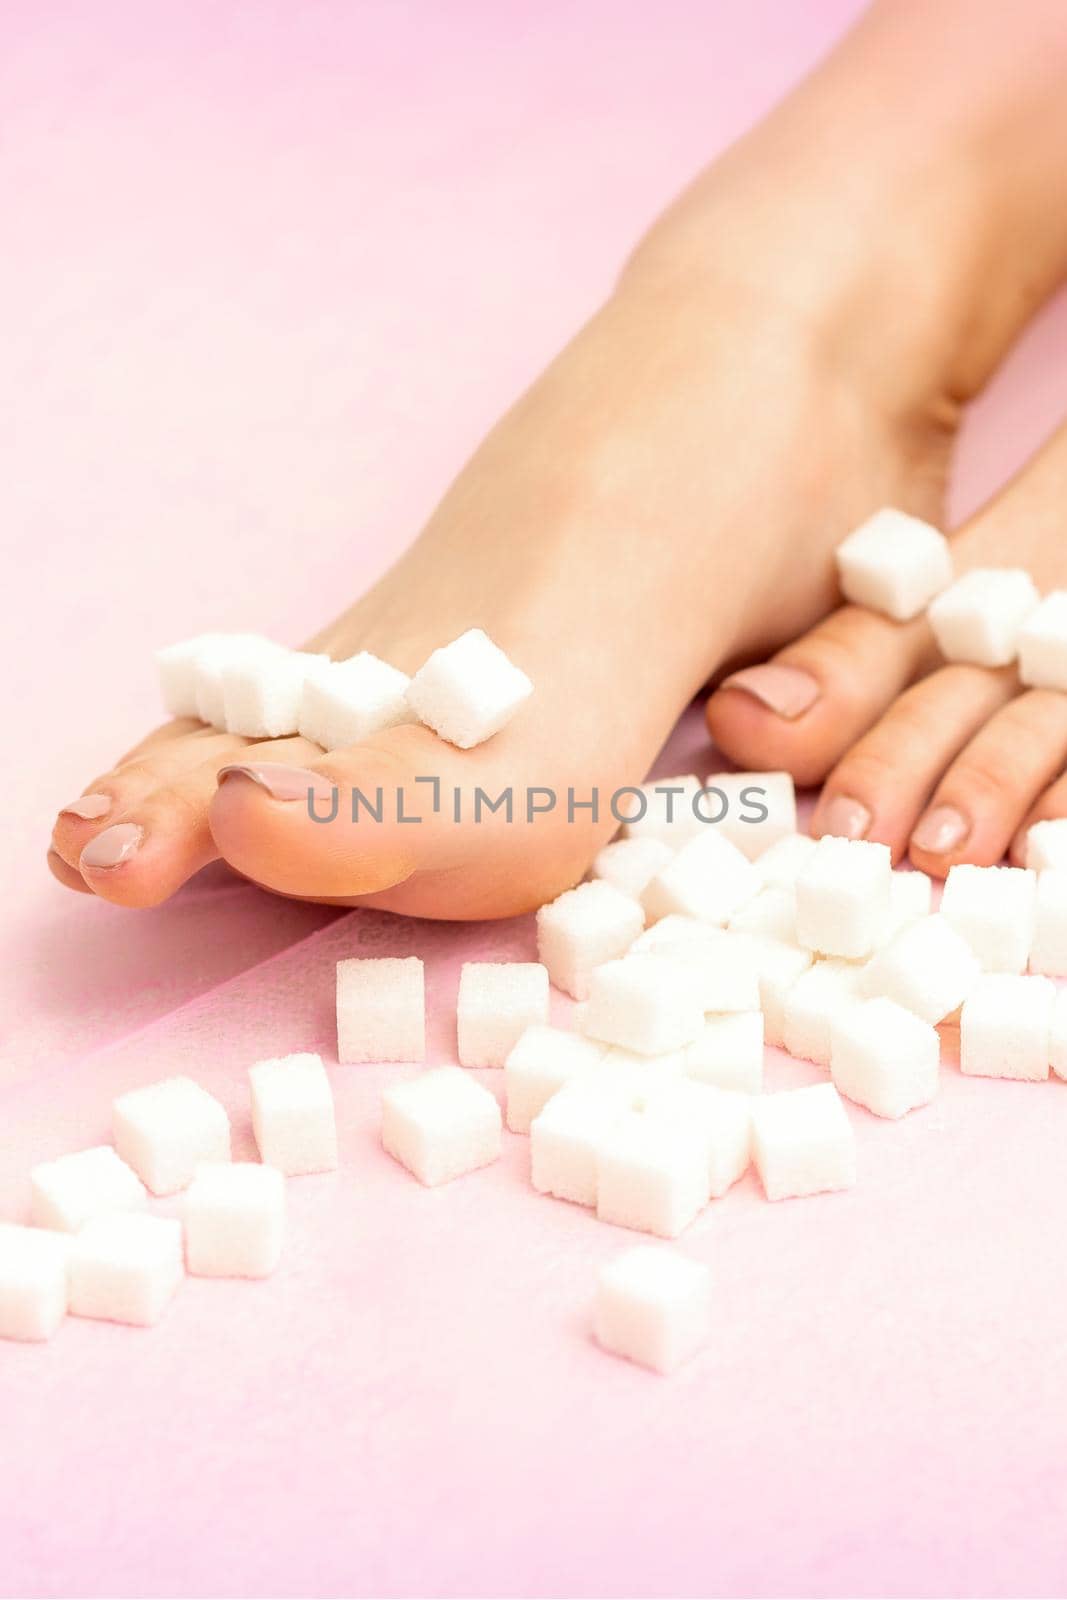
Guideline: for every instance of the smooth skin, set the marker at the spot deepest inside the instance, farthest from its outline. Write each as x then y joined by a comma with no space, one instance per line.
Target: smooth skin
790,347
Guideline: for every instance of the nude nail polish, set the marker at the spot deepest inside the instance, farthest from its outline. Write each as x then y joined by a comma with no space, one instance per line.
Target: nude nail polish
787,691
89,807
942,828
282,782
112,847
845,818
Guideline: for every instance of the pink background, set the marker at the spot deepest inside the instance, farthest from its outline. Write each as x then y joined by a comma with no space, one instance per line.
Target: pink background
268,272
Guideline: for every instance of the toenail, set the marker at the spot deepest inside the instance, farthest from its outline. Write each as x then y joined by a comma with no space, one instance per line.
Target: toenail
941,829
90,807
282,782
788,691
112,847
845,818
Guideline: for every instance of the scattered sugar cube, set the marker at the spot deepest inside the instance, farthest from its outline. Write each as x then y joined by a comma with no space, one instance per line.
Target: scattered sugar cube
166,1129
468,690
819,995
675,930
234,1215
1058,1034
540,1063
635,1075
709,878
219,652
653,1306
910,897
759,809
928,968
993,909
498,1001
566,1134
630,864
644,1003
33,1282
1043,644
894,563
441,1125
979,617
67,1193
722,967
583,928
1048,952
802,1142
668,809
125,1267
778,966
177,665
1046,844
651,1175
381,1009
262,691
884,1058
722,1118
780,865
292,1114
773,913
843,897
344,702
1005,1027
729,1052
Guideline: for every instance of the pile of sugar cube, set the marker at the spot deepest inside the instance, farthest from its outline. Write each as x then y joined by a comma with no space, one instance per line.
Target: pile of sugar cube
465,691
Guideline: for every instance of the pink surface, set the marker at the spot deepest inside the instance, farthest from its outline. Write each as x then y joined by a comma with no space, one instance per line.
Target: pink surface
268,272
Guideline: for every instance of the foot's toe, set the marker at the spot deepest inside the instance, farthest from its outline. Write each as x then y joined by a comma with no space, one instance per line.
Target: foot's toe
878,790
979,805
802,710
66,875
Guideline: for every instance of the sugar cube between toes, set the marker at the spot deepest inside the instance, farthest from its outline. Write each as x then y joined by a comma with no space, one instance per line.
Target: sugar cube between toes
216,655
468,690
345,702
884,1057
125,1267
262,691
928,968
583,928
802,1142
993,909
177,668
33,1282
68,1192
292,1114
234,1216
441,1125
653,1306
541,1061
1005,1027
979,617
498,1001
1043,644
165,1130
381,1009
894,563
843,897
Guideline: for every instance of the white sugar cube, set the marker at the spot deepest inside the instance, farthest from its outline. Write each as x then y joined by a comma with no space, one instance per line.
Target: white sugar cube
993,909
894,563
33,1282
822,993
721,1117
177,665
234,1215
722,967
125,1267
979,617
1043,644
540,1063
843,897
381,1009
292,1114
468,690
1058,1034
1005,1027
1048,952
344,702
633,1075
778,966
69,1192
928,968
630,864
653,1307
884,1058
910,897
440,1125
802,1142
166,1129
498,1001
729,1052
214,657
644,1003
709,878
754,810
673,931
651,1175
779,866
668,809
566,1134
773,913
1046,844
262,691
583,928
